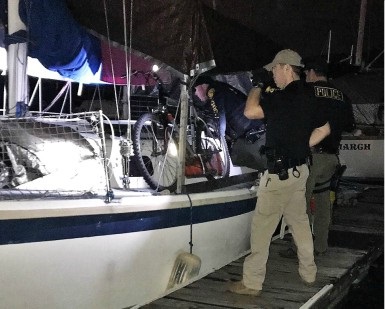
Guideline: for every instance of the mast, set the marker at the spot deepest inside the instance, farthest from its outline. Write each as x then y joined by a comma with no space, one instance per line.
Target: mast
182,137
329,45
361,28
17,64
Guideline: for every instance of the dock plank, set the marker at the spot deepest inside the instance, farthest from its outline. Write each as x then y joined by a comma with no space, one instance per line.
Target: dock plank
282,287
338,269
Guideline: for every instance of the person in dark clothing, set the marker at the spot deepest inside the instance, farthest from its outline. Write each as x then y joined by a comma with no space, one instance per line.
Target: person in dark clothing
293,124
324,155
230,103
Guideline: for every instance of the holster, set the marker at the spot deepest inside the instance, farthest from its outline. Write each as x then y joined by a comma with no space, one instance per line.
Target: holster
276,164
280,164
335,180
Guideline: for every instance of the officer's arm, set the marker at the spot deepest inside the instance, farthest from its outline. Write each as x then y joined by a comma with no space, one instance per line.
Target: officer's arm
253,109
319,134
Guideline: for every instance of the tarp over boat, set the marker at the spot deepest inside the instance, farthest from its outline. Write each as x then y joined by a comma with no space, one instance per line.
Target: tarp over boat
185,34
182,36
238,37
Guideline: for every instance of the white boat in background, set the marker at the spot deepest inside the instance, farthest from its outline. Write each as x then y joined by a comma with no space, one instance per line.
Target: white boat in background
363,157
362,151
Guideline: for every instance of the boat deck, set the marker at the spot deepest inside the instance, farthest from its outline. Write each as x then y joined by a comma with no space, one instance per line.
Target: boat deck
356,242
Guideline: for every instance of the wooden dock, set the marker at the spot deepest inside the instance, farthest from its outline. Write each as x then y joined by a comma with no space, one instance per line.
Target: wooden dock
356,239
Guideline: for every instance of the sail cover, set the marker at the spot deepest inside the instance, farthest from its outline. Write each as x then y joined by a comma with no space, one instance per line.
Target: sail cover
57,40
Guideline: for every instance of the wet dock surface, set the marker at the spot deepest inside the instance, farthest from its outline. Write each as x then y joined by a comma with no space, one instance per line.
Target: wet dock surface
356,242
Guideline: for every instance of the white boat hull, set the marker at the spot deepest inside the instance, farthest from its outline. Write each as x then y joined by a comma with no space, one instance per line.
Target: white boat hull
120,254
363,156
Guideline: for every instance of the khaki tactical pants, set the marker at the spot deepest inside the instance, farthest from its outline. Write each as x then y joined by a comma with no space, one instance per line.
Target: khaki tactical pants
276,198
322,170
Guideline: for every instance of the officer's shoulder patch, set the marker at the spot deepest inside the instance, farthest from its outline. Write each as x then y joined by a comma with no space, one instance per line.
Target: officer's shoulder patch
270,89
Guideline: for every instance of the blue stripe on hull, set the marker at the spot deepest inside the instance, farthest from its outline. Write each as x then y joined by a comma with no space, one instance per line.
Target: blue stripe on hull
45,229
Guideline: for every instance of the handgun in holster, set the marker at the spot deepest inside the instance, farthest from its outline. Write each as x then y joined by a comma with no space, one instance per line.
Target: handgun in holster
276,164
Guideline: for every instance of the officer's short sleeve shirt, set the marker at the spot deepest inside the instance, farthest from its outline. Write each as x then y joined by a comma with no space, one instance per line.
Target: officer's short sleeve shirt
338,111
291,115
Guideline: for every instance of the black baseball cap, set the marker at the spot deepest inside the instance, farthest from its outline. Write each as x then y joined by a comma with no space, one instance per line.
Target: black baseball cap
204,79
318,64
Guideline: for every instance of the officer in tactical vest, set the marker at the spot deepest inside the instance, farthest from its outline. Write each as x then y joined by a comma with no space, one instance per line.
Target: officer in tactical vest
324,155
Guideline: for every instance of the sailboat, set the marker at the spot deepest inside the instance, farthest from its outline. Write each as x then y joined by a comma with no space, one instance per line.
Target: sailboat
366,92
74,233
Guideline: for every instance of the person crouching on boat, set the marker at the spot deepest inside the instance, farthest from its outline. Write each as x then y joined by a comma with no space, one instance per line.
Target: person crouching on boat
230,103
293,124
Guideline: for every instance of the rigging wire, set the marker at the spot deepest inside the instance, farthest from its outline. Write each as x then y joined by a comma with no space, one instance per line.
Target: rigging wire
111,62
126,144
69,91
97,90
64,91
128,62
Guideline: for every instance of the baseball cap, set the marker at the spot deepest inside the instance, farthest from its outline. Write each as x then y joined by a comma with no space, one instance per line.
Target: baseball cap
204,79
317,64
286,56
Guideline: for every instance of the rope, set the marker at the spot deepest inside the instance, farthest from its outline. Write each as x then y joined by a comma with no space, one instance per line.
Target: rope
191,223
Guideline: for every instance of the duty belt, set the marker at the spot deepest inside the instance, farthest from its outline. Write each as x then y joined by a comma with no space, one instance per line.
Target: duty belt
275,168
320,149
290,163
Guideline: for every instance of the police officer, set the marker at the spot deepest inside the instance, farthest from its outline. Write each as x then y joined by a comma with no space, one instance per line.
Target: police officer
325,155
292,125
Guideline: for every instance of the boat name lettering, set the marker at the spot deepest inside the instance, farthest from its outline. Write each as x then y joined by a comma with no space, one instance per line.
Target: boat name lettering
330,93
354,146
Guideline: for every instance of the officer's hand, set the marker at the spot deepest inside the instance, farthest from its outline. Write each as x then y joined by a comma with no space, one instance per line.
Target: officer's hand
261,77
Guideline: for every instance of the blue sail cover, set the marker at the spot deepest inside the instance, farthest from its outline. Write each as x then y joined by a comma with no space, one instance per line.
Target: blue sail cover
58,41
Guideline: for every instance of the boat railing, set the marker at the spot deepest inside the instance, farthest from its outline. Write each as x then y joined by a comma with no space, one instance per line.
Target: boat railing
51,155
